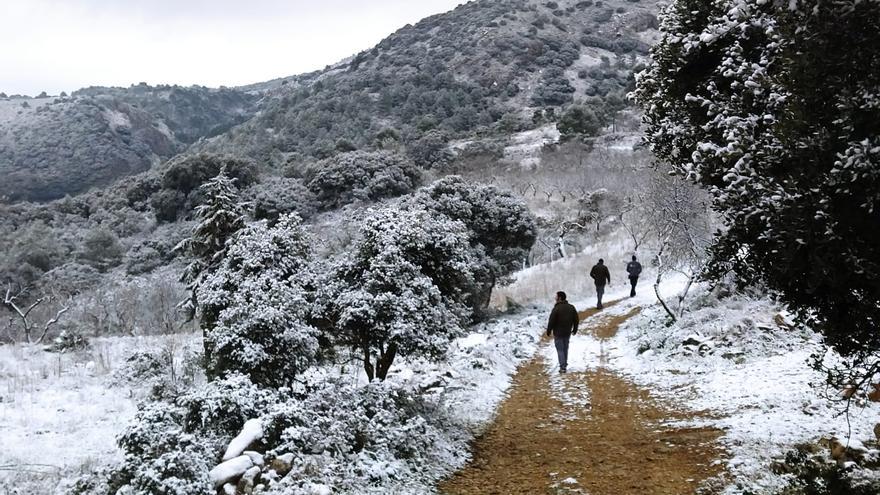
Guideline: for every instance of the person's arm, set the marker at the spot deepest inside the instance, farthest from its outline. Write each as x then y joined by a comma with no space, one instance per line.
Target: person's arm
551,321
574,328
608,275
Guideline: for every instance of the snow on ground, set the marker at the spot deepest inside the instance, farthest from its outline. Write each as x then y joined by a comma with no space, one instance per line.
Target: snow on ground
743,365
59,414
526,146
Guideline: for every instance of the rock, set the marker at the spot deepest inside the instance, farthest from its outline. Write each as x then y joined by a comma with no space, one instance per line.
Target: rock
282,464
877,431
691,340
838,450
874,395
256,457
228,489
230,470
250,433
248,481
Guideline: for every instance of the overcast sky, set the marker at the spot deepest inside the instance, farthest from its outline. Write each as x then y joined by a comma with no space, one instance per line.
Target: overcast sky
63,45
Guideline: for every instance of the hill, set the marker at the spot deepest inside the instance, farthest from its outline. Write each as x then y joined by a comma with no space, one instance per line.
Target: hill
54,146
487,68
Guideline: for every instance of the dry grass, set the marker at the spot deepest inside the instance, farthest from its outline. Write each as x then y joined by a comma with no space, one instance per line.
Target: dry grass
538,284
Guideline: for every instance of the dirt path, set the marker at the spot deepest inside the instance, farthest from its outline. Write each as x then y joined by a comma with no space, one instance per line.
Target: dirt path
616,441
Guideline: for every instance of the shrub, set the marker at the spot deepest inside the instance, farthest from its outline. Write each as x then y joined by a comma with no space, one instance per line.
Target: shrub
361,176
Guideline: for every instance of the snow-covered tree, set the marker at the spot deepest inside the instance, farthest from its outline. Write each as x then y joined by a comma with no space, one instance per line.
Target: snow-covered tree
219,217
502,228
254,306
362,176
774,106
402,288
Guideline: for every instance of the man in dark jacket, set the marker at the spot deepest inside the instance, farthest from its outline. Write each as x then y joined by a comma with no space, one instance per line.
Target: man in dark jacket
634,268
601,276
563,324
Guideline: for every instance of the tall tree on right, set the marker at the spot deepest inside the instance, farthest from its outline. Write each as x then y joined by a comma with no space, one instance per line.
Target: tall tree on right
774,106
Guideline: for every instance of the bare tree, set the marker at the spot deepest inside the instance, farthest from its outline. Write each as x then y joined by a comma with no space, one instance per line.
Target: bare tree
681,222
28,326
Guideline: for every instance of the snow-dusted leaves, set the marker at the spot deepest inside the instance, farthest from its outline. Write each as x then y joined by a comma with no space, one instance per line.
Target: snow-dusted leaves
254,306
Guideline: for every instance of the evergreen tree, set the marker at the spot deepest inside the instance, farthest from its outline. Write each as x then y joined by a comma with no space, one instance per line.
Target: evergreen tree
502,229
774,106
402,289
253,304
219,217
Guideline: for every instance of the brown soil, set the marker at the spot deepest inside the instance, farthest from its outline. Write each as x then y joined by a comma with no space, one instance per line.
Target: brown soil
620,443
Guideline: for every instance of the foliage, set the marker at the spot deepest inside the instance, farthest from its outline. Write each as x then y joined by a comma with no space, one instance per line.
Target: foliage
813,474
279,196
253,305
402,288
502,229
341,432
361,176
579,121
769,106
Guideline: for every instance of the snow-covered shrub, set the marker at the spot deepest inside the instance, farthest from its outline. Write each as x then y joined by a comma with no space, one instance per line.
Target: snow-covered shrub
170,446
279,196
362,176
254,305
403,287
813,473
354,438
141,366
223,406
69,341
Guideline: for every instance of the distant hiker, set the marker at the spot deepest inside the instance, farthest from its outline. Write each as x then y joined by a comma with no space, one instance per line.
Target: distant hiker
563,324
634,268
601,276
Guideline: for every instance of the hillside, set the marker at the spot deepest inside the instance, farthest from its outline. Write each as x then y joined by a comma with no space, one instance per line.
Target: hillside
54,146
487,68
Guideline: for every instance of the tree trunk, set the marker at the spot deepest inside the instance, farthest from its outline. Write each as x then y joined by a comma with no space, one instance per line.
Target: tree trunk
368,366
383,364
684,294
657,283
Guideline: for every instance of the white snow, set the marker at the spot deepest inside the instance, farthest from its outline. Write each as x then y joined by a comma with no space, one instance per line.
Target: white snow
250,432
229,470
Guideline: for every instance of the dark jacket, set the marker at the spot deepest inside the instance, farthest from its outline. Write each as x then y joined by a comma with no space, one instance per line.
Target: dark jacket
600,274
563,320
634,268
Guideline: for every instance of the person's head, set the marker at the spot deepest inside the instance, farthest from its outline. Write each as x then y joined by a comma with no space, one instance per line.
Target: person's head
634,257
601,261
561,297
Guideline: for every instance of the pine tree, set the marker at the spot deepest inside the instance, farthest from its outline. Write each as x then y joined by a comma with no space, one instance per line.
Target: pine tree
219,217
774,106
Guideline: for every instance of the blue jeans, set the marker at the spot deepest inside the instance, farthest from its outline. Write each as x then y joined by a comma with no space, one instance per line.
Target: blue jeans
600,291
562,351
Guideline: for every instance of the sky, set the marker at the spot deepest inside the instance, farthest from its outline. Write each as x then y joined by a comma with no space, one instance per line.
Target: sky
57,45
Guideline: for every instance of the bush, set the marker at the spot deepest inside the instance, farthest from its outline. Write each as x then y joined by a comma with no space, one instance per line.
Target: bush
280,196
69,341
361,176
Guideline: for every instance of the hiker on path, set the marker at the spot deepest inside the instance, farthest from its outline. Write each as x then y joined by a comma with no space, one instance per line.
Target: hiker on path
563,324
634,268
601,276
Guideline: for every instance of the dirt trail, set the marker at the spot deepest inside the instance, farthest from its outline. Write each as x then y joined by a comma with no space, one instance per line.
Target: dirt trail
618,442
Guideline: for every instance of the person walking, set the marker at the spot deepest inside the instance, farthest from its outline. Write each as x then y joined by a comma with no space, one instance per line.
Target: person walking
562,325
601,276
634,268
